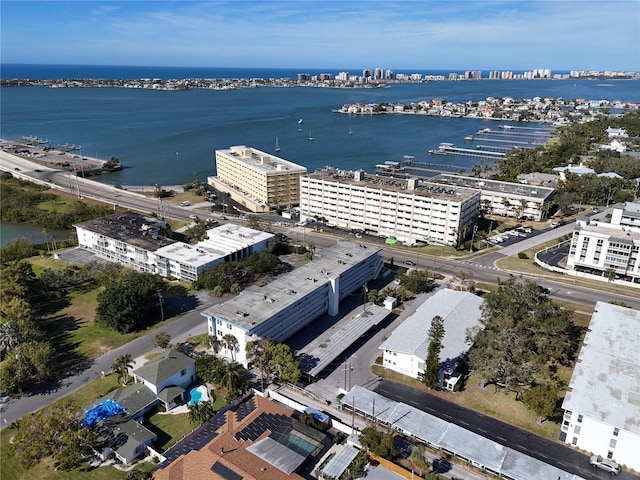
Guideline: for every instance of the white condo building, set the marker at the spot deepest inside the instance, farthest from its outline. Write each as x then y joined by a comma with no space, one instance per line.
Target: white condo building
602,406
138,242
405,350
507,199
292,301
599,247
255,179
409,210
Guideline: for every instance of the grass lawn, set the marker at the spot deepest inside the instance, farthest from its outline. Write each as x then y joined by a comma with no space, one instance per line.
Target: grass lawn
169,428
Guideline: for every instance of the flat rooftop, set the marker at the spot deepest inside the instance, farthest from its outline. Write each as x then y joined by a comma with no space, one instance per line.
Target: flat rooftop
605,384
620,233
532,191
460,311
257,304
412,186
130,227
220,242
261,161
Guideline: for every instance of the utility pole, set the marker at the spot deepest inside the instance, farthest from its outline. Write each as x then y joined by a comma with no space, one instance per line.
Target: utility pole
473,234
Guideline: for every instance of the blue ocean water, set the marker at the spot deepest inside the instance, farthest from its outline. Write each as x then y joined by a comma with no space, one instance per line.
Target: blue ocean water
166,137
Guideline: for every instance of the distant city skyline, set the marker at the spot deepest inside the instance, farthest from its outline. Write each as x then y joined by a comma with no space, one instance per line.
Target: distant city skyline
399,35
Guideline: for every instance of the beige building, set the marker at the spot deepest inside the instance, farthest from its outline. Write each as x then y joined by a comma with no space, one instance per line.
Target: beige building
257,180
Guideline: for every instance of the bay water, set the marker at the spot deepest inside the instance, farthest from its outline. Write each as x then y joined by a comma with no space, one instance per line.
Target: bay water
165,137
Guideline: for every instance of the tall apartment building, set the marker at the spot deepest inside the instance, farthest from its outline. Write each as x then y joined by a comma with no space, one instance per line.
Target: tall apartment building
601,407
598,247
409,210
257,180
292,301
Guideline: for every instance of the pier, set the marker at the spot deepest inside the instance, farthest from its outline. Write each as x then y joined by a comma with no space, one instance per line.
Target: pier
450,149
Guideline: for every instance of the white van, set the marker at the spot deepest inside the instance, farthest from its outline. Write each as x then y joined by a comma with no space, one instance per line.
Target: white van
186,203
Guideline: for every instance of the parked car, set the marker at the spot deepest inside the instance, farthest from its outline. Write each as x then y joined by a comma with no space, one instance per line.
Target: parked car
410,263
605,464
554,225
544,290
193,217
222,217
330,225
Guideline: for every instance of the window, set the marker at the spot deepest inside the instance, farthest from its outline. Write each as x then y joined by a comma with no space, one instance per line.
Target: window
579,418
610,455
229,326
613,443
577,429
183,372
219,321
616,431
574,441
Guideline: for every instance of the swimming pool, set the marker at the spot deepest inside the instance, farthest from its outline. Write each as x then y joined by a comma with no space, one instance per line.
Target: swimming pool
298,444
198,395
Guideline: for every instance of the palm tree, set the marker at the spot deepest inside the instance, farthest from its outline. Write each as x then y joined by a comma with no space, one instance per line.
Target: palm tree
9,338
259,352
230,343
233,380
121,366
214,343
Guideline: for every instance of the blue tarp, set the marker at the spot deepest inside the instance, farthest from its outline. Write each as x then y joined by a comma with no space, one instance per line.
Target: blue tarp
106,409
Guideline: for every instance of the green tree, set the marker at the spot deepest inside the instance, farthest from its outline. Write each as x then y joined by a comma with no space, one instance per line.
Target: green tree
416,281
213,343
54,431
419,460
379,443
162,339
233,381
542,399
524,335
200,412
210,369
230,342
431,375
121,366
129,303
283,364
9,338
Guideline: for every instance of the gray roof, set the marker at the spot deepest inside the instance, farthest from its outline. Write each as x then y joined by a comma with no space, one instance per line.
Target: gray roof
133,397
122,434
605,384
495,186
338,464
169,393
164,366
256,304
325,352
460,311
453,438
277,455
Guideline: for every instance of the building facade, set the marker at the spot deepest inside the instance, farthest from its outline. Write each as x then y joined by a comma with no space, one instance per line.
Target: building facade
601,407
506,199
139,242
409,210
405,350
608,248
284,306
257,180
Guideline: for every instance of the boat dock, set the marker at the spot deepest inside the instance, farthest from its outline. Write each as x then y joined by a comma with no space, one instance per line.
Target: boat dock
450,149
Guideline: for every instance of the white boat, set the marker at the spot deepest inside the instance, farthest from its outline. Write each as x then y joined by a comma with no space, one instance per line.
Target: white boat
300,121
350,131
277,146
310,137
468,138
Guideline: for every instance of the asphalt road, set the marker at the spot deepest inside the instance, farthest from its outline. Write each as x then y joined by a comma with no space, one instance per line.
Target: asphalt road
545,450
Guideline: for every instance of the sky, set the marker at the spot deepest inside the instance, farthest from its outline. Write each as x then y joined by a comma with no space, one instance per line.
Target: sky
400,35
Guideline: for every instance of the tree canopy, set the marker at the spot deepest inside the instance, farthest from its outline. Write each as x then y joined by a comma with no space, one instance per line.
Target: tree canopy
130,302
55,431
431,375
524,334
